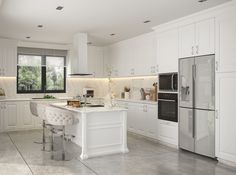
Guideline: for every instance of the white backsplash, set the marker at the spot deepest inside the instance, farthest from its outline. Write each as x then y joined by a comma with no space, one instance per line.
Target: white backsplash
76,85
135,84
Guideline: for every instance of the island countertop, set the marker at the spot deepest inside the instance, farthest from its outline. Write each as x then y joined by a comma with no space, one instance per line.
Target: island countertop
88,109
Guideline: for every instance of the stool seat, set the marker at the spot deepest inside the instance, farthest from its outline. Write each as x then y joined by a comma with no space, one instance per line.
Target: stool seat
60,118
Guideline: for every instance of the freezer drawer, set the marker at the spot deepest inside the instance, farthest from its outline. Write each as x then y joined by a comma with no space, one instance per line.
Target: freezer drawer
205,132
186,134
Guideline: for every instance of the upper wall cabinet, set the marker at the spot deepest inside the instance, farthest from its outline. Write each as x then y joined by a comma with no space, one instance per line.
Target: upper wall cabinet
226,42
197,39
8,58
95,61
133,57
168,51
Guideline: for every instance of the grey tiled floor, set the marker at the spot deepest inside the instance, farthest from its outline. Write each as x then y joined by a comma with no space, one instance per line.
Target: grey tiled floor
19,155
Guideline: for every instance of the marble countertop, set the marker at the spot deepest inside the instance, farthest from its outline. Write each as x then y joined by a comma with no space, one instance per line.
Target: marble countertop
33,99
88,109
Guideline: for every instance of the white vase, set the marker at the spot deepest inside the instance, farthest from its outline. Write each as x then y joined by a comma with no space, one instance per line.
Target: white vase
126,95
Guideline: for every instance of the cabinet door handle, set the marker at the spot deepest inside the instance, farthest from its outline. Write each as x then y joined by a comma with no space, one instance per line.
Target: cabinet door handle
192,50
197,49
217,64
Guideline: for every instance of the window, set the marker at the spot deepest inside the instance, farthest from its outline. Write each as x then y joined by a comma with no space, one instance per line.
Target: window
41,74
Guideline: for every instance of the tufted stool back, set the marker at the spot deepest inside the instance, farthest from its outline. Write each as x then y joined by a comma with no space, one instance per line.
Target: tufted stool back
59,117
41,110
33,108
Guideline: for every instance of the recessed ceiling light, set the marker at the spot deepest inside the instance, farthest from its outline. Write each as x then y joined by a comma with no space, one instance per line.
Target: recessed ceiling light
28,37
59,7
112,34
202,0
40,26
147,21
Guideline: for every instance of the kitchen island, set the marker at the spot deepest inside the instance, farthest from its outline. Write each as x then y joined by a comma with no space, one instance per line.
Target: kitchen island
99,130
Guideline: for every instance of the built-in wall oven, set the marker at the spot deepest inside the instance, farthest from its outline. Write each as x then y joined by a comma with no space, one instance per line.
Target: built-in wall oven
168,106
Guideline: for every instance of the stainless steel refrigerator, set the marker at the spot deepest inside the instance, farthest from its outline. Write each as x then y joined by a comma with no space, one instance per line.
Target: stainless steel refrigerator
197,104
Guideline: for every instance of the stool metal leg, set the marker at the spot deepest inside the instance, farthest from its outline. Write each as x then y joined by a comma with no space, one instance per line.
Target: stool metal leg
44,141
52,142
63,143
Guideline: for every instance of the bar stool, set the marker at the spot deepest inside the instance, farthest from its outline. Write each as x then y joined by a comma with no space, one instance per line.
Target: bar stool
38,110
60,118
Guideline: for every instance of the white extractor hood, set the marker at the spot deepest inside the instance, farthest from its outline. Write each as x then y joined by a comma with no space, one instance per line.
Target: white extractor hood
79,55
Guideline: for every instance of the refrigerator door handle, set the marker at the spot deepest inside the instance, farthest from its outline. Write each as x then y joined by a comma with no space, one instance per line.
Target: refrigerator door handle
172,82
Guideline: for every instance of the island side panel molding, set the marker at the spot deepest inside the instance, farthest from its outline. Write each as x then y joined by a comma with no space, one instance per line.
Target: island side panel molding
125,148
84,154
106,133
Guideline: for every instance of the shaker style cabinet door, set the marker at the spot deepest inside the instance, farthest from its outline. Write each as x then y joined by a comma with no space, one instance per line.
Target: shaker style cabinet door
168,51
187,41
226,42
225,117
205,37
11,122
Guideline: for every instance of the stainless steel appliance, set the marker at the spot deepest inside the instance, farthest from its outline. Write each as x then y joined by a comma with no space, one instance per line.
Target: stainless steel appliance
168,82
168,106
89,92
197,104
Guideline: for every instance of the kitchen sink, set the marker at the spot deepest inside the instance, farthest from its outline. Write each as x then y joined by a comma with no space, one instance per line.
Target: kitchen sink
94,106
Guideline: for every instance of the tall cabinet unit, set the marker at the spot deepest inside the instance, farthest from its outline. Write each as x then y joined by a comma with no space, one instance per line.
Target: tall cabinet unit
197,39
225,85
225,119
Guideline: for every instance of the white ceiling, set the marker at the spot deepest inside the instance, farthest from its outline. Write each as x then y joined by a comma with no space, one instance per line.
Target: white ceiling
99,18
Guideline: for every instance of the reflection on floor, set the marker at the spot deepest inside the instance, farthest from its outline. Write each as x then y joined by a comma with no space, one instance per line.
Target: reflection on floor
19,155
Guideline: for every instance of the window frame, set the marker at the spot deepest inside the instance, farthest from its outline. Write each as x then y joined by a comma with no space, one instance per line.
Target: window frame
43,75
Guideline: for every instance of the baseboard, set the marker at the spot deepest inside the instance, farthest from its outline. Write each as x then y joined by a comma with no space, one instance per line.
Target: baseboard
154,140
226,162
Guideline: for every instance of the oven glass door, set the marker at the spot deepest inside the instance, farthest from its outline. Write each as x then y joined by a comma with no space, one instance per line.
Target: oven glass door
167,110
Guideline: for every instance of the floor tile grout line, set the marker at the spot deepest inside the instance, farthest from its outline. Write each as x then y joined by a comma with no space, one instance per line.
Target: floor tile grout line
20,154
87,166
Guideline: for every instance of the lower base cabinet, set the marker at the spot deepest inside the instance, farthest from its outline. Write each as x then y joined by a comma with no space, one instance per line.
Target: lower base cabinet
168,132
225,117
142,118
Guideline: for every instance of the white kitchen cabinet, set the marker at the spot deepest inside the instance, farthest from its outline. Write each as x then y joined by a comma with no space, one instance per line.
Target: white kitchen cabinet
168,132
142,118
226,41
26,119
133,57
95,61
11,120
151,125
8,58
197,39
168,50
225,116
1,117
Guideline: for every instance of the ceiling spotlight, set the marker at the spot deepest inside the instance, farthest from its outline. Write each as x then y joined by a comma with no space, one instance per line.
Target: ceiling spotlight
59,8
112,34
40,26
28,37
147,21
202,0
